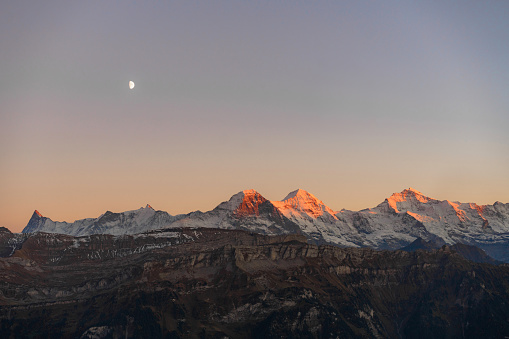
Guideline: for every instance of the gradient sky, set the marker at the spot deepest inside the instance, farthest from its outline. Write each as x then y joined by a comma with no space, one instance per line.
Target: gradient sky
349,100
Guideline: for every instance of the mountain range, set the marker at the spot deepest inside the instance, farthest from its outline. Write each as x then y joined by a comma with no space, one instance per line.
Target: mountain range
396,222
263,269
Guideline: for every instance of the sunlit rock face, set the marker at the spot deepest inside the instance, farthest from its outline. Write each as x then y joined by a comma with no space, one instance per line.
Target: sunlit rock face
394,223
227,283
247,210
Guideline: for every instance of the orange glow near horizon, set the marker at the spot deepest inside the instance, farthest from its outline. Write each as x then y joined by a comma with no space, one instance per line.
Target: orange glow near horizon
68,211
268,95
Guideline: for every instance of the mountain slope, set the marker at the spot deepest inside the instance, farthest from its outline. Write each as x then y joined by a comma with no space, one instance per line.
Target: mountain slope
468,252
215,283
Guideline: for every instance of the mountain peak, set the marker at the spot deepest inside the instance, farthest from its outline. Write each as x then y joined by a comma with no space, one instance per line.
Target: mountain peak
249,203
243,198
302,201
249,192
148,206
299,193
35,223
411,190
407,195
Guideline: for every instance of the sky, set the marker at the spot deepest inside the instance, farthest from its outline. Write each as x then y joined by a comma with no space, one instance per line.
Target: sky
349,100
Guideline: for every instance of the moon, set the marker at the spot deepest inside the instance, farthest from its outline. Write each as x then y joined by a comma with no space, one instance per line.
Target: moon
131,84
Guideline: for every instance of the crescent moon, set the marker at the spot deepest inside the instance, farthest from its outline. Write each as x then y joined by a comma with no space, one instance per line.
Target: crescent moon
131,84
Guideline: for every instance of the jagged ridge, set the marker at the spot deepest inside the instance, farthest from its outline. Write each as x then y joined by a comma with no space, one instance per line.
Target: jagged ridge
394,223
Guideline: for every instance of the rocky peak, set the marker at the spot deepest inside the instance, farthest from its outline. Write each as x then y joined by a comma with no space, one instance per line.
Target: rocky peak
421,244
249,205
299,193
4,230
36,216
35,222
243,203
409,194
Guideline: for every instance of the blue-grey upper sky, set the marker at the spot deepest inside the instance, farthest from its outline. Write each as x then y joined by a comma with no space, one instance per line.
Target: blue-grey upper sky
350,100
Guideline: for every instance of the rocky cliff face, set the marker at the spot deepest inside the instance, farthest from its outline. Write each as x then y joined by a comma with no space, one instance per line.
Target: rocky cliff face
10,242
226,283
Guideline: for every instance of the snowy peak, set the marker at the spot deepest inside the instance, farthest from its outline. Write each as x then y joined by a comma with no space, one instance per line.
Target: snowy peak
244,203
408,195
406,199
302,202
299,193
36,218
247,210
35,222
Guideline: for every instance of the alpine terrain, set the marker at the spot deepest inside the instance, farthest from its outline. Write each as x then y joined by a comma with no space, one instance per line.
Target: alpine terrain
394,223
216,283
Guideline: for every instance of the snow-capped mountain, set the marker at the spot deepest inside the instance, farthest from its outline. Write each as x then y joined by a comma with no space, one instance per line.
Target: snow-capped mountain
315,219
408,215
246,210
396,222
129,222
